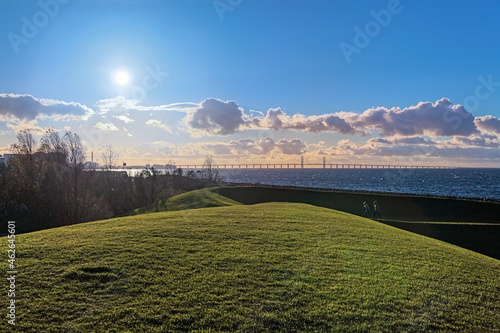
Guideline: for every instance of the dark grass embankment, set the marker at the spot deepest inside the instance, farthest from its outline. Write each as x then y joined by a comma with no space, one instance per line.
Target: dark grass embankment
393,206
481,238
475,235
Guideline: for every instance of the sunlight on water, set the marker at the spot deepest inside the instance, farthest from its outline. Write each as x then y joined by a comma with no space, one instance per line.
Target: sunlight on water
466,183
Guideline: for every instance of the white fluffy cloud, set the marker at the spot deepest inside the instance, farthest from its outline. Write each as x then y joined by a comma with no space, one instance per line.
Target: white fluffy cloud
106,127
27,107
276,119
488,124
291,147
124,118
439,119
120,104
215,117
159,124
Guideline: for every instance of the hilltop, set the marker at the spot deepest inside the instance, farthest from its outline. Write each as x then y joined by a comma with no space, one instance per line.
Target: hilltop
474,225
265,267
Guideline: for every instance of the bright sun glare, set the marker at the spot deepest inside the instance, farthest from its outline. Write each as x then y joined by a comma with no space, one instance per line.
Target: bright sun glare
122,78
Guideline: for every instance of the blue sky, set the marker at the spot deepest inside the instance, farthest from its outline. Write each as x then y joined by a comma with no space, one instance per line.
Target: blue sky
257,80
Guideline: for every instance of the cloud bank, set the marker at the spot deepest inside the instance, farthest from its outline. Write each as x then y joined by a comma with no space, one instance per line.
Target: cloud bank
217,117
27,107
439,119
429,130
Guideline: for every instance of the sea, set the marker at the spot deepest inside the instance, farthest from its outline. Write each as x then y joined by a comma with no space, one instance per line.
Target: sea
471,183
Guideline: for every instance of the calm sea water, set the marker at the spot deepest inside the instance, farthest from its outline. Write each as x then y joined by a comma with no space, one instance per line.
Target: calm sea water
466,183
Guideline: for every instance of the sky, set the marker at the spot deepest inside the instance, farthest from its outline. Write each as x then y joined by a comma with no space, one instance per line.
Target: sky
409,82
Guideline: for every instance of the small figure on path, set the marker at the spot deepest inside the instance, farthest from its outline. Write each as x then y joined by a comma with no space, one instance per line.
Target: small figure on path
367,209
376,210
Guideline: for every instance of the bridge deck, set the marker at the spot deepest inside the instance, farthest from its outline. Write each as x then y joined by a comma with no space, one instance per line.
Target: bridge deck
313,165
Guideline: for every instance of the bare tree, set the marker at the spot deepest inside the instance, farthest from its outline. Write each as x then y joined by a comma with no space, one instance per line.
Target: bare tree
76,159
75,149
209,169
23,166
26,143
54,147
109,157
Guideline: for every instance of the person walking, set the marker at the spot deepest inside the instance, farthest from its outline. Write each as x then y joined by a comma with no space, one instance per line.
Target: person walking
367,209
376,210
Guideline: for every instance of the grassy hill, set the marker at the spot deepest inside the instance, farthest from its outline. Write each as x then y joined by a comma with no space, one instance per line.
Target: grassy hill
474,225
285,267
206,197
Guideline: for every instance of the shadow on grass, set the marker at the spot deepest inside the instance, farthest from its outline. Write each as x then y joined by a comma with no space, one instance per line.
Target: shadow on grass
482,238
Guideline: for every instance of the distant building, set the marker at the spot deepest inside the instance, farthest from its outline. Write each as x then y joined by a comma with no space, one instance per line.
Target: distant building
158,166
91,165
2,160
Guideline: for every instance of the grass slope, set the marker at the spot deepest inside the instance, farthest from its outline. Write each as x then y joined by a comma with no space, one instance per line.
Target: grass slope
190,200
267,267
480,237
393,206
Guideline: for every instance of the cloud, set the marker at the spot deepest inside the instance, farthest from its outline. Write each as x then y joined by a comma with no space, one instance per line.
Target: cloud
488,124
439,119
291,147
473,141
219,148
125,119
120,104
249,146
159,124
27,125
27,107
106,127
263,146
377,141
215,117
276,119
413,140
419,150
127,132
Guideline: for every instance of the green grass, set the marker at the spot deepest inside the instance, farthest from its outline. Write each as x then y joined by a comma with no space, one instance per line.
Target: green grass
393,206
191,200
280,267
464,219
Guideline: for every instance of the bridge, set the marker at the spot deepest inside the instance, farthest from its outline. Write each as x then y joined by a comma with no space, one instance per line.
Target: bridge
310,165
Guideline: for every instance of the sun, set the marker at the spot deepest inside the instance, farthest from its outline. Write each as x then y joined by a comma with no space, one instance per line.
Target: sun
122,78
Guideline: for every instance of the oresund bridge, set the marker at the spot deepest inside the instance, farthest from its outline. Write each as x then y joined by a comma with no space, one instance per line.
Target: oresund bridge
303,165
309,165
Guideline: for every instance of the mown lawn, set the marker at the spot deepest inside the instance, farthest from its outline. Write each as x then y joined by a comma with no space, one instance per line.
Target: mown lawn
276,267
202,198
